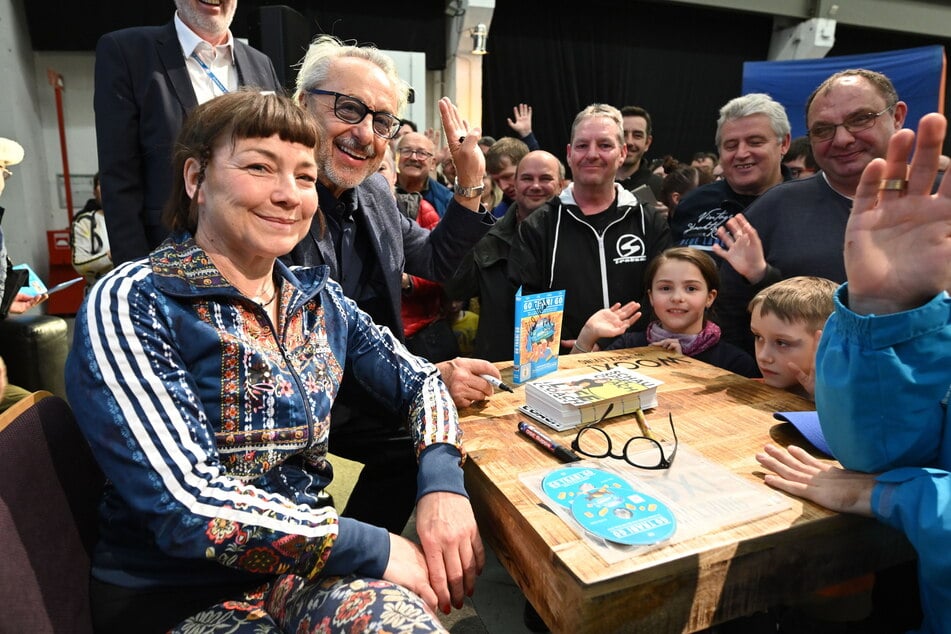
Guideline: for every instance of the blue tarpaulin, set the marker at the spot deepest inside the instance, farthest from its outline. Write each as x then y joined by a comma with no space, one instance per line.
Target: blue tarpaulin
918,75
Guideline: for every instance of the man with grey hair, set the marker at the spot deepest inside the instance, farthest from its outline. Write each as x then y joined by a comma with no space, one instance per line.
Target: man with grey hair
356,95
147,80
798,228
595,239
752,137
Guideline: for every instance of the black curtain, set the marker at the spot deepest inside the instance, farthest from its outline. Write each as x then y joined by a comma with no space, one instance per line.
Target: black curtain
680,63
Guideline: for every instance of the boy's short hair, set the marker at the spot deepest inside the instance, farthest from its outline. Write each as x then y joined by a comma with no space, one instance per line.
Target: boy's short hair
798,299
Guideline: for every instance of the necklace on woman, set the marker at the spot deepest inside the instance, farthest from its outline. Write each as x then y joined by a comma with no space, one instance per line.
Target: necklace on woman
266,302
261,298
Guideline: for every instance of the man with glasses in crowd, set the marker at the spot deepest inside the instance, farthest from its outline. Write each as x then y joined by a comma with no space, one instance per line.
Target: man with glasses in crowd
415,155
355,94
798,227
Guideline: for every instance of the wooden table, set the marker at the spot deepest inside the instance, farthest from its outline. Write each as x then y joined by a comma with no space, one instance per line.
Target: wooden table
685,586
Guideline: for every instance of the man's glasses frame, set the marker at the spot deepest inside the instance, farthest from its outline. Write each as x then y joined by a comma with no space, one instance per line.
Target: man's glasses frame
853,123
410,152
664,462
351,110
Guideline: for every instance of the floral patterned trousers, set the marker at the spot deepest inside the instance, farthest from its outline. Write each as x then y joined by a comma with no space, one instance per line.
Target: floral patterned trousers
291,604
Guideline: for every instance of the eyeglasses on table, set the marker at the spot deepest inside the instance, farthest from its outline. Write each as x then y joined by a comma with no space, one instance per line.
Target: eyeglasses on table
642,452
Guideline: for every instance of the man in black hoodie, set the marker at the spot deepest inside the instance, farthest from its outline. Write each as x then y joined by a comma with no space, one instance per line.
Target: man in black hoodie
594,240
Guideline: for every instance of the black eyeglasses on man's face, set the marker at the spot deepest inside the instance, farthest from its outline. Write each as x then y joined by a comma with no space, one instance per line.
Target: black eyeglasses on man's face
351,110
639,451
853,123
409,152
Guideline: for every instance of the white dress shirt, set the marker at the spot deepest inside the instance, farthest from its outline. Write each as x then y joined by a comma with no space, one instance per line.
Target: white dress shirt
219,59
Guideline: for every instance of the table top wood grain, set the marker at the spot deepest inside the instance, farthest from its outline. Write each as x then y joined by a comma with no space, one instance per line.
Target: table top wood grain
684,586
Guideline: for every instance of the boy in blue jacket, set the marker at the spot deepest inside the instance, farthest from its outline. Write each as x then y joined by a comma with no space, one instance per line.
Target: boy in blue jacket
883,371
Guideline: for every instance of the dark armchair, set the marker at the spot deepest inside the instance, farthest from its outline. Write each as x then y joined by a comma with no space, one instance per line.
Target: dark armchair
50,487
34,347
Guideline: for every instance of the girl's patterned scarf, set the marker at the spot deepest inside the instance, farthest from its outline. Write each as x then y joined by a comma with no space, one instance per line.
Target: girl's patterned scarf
691,345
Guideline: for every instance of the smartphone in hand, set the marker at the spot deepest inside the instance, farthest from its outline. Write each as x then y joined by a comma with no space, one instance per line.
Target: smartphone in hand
34,286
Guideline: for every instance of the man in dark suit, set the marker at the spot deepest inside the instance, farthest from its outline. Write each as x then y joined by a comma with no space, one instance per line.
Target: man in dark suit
355,95
147,80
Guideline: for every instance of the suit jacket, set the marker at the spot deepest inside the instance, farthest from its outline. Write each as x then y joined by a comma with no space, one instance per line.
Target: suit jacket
398,243
142,95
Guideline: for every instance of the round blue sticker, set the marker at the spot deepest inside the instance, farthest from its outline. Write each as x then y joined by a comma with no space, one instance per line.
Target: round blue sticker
609,507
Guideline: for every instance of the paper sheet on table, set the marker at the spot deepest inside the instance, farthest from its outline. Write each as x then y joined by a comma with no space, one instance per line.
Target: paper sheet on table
703,496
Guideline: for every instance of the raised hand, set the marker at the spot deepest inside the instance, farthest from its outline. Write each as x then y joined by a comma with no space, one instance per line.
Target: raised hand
607,322
743,251
898,241
522,124
464,149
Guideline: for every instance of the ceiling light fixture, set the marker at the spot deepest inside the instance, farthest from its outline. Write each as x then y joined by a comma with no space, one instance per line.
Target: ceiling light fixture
479,34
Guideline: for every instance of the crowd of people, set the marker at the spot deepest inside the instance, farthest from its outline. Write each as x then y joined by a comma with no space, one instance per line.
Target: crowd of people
291,274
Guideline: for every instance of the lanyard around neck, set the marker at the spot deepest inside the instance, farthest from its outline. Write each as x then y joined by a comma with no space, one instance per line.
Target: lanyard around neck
209,72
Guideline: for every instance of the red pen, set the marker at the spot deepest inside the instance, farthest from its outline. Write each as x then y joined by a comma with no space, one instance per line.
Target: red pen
562,453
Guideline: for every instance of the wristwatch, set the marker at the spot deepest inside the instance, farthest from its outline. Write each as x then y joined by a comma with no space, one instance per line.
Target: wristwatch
470,192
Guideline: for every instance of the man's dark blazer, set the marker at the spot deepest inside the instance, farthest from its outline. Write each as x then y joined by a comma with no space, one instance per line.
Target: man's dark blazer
142,95
398,243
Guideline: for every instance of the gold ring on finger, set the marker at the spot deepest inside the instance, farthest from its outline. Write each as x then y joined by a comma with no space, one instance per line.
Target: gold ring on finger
893,185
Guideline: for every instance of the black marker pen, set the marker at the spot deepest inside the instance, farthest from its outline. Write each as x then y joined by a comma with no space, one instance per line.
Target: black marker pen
562,453
496,382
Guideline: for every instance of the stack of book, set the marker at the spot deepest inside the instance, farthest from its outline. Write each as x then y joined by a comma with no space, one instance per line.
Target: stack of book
581,399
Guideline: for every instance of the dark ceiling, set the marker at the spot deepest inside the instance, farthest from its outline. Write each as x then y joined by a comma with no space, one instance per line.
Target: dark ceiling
420,25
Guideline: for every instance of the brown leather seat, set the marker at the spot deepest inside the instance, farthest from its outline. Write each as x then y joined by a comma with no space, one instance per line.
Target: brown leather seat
50,487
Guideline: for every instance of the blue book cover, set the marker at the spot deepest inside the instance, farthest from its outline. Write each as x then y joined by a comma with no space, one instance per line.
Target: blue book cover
537,333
